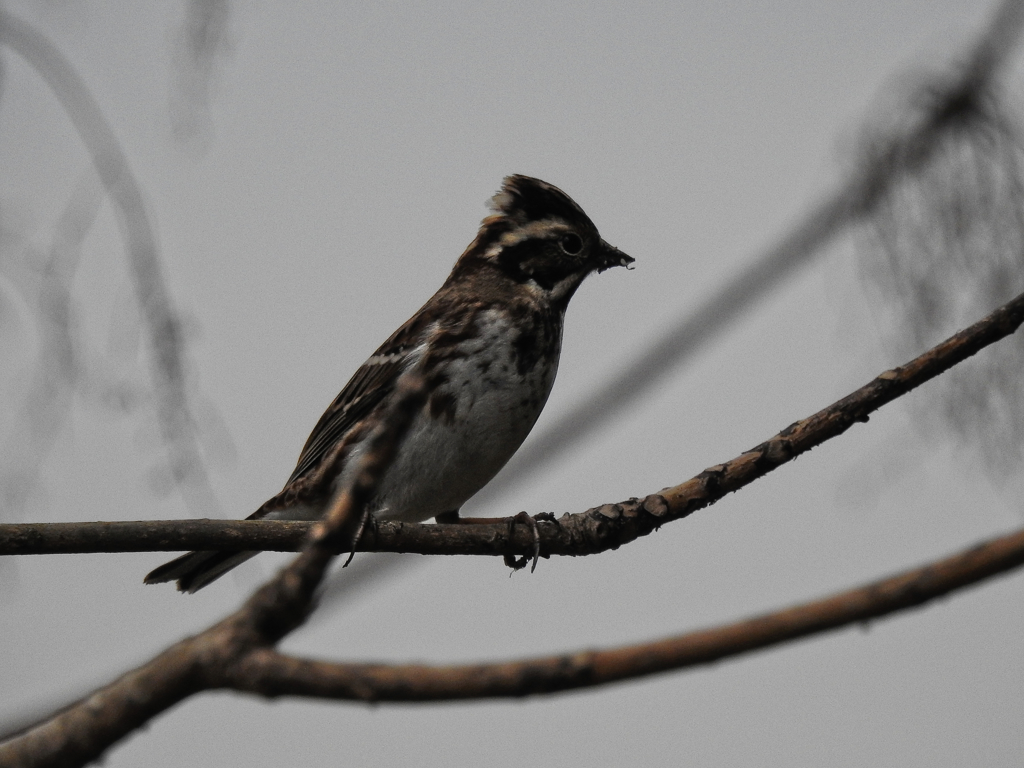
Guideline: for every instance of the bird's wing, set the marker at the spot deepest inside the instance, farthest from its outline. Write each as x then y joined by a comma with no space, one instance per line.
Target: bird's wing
370,385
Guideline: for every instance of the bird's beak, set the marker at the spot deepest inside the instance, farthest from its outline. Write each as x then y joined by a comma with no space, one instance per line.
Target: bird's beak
609,256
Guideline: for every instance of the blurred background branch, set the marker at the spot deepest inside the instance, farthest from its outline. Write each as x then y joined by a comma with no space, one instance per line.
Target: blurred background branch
202,42
961,106
167,346
58,370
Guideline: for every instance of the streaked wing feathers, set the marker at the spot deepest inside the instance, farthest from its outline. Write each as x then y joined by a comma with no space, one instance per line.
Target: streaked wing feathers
371,384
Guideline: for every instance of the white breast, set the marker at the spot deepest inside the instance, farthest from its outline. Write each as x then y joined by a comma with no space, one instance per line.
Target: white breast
443,462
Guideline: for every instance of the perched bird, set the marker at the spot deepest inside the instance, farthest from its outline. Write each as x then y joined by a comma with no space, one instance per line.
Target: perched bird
487,346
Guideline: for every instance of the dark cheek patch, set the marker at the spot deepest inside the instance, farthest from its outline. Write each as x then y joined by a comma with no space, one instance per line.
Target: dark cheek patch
538,260
549,270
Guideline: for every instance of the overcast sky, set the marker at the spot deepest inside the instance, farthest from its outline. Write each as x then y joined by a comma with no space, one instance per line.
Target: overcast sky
349,155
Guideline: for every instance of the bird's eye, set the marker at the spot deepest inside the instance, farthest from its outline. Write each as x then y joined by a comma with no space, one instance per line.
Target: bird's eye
572,244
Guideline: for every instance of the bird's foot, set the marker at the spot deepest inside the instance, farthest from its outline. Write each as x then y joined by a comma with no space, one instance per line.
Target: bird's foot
518,563
366,520
513,562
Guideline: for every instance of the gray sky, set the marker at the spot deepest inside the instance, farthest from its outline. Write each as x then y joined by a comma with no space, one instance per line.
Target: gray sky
350,156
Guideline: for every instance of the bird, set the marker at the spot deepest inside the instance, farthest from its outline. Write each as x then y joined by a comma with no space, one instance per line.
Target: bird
486,345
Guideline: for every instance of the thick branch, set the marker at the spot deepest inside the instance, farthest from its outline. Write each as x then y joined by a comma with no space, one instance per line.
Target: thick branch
86,729
596,530
269,673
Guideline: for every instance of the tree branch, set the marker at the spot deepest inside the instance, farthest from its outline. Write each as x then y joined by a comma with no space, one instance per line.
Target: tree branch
83,731
216,659
596,530
268,673
238,653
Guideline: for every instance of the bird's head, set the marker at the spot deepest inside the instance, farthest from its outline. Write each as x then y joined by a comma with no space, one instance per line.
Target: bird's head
538,237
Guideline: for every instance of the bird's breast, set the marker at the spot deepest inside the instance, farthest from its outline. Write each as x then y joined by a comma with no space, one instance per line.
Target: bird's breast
487,391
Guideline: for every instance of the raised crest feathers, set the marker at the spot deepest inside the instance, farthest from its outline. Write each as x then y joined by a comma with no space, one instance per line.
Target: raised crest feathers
524,198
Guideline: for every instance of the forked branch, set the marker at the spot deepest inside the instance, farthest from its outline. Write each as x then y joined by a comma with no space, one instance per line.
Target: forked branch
85,730
269,673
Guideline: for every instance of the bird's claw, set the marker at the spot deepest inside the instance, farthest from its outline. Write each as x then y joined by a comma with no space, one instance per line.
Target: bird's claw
366,519
518,563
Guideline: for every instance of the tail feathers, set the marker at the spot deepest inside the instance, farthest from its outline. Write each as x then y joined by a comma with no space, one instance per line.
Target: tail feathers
197,569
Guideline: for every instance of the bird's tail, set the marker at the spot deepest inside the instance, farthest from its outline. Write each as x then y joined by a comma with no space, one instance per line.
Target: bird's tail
197,569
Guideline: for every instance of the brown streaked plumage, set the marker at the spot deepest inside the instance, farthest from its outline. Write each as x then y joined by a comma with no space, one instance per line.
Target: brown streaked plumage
487,344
